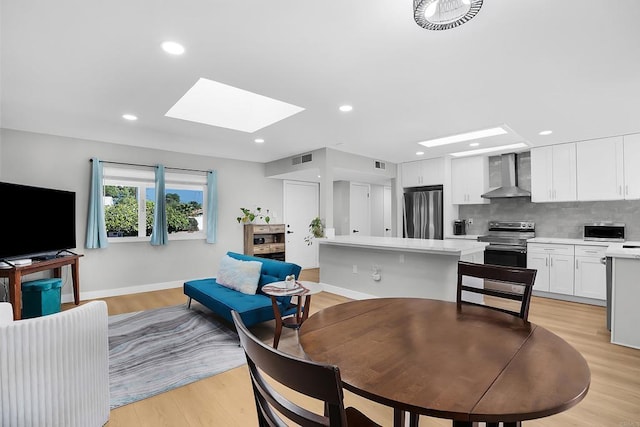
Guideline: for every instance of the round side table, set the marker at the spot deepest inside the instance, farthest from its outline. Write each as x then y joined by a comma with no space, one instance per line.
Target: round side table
301,289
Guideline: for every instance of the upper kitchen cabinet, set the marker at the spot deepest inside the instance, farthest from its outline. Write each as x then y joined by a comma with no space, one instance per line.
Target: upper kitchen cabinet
469,180
553,173
600,169
423,172
631,166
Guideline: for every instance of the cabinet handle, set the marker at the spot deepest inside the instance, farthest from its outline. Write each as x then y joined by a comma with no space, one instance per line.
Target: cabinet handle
576,264
554,194
551,263
550,197
289,232
626,189
546,262
355,231
620,189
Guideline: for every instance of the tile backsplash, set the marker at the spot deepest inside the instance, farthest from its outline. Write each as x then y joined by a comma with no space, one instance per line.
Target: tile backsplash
562,220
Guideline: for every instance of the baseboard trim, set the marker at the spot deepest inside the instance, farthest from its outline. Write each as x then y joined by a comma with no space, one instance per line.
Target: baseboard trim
105,293
348,293
570,298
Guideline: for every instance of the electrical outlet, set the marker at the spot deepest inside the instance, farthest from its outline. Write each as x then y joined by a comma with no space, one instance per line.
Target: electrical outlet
355,269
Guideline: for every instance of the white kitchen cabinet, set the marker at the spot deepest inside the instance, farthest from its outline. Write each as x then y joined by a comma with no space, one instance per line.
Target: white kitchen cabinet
423,172
591,274
555,267
540,262
561,274
632,166
553,173
469,180
600,169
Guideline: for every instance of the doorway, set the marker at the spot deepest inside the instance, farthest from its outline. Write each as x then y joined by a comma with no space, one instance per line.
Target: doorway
360,210
301,205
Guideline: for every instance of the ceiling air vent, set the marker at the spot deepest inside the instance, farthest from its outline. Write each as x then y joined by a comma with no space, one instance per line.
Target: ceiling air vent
377,164
305,158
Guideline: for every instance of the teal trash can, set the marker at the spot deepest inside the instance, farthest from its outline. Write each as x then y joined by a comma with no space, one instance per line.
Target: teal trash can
41,297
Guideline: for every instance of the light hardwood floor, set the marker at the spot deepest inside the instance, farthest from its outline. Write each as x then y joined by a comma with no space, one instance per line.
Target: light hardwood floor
227,400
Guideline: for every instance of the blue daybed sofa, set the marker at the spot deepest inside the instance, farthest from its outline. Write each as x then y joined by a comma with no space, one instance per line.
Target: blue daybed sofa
252,308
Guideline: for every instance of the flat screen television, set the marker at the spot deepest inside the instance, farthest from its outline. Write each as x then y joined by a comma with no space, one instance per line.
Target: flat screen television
35,221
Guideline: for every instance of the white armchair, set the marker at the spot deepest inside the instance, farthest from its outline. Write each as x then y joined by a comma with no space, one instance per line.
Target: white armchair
54,370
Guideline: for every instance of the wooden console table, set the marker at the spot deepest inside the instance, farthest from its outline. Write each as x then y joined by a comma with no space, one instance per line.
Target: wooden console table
15,278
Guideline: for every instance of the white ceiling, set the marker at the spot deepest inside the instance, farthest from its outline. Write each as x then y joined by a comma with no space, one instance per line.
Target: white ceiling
73,67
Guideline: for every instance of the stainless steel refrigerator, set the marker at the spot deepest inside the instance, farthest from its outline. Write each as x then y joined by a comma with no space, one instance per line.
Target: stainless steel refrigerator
423,212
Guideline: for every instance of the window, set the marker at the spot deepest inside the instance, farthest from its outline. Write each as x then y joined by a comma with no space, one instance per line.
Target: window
129,195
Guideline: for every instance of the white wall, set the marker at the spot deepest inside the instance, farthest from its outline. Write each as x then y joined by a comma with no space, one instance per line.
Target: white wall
63,163
341,212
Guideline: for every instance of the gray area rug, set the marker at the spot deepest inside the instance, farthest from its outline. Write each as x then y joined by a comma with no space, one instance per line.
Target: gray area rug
154,351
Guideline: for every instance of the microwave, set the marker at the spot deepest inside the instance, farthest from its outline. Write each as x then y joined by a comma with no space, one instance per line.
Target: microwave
604,231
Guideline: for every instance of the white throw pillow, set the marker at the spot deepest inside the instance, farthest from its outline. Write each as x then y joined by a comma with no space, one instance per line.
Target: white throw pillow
242,276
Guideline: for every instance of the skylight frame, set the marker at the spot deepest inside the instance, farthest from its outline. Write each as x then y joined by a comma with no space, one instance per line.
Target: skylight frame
217,104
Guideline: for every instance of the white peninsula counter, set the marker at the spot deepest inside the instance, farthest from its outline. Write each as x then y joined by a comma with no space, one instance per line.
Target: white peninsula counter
625,293
367,266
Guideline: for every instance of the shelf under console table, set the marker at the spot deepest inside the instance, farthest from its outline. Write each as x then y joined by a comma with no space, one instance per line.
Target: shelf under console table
14,274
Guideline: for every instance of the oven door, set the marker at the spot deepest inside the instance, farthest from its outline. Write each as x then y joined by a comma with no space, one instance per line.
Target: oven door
511,256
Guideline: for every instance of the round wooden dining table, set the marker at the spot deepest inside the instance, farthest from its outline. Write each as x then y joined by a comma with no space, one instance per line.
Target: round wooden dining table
423,356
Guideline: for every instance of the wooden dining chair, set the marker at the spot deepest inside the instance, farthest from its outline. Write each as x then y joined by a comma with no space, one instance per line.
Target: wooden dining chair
511,284
316,380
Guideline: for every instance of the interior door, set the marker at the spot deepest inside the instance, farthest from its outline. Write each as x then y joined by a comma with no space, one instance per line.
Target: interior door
386,216
301,205
359,210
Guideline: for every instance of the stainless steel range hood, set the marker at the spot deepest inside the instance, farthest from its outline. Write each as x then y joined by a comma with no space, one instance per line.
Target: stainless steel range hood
509,186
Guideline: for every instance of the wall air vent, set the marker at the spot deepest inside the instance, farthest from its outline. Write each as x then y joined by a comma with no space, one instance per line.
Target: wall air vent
377,164
305,158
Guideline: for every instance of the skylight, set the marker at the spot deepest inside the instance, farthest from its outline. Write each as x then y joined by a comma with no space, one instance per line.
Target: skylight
489,149
484,133
217,104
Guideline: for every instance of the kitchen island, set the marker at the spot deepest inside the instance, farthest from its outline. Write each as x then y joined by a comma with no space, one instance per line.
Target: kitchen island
625,293
367,266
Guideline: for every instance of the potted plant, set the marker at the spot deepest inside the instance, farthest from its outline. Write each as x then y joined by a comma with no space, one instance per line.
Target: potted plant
249,216
316,229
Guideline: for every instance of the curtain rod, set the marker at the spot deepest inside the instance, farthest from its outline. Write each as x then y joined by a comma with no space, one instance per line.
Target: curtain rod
149,166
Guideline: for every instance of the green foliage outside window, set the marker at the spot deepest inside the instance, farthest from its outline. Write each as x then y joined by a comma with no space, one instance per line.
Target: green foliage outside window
121,218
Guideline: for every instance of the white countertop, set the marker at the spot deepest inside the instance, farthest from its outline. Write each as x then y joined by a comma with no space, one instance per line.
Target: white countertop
442,247
616,250
564,241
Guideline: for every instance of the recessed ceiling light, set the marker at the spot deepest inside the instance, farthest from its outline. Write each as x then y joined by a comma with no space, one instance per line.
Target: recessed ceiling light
173,48
217,104
258,140
419,153
346,108
489,149
474,144
129,117
545,132
478,134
